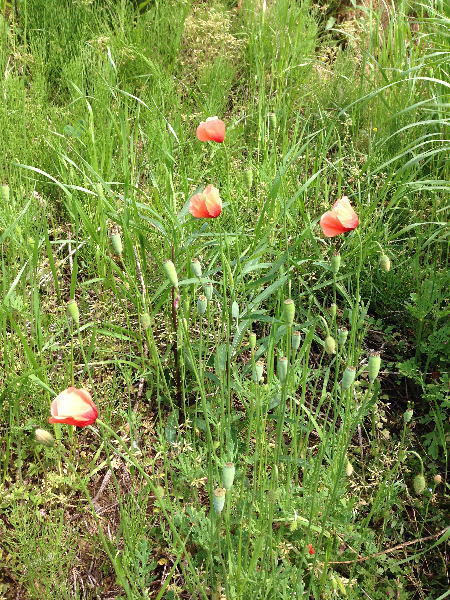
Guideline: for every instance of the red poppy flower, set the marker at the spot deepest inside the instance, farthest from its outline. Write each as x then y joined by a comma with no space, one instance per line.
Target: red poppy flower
207,204
339,219
73,407
211,130
311,549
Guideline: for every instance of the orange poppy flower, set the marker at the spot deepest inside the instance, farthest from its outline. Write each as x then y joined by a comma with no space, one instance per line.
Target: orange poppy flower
207,204
211,130
339,219
73,407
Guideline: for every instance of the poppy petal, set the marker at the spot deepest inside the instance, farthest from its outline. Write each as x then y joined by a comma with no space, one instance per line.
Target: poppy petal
197,207
345,213
331,225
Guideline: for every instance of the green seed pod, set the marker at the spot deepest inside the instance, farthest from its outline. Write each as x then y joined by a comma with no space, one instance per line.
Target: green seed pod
295,340
374,366
235,310
171,273
196,267
348,378
408,415
248,177
272,117
252,340
335,263
228,472
208,290
348,468
116,243
258,371
385,263
74,313
5,193
333,310
282,368
44,437
330,345
145,320
288,311
419,483
342,336
202,304
219,500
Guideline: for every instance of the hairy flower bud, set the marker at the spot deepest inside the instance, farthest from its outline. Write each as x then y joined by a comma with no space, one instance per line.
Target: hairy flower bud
44,437
419,483
116,243
235,310
333,310
74,313
258,371
288,311
208,290
145,320
252,340
408,415
171,273
248,177
348,378
374,366
330,345
335,263
385,263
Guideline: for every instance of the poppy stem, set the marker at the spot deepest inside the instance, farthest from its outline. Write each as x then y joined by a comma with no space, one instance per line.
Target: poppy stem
176,355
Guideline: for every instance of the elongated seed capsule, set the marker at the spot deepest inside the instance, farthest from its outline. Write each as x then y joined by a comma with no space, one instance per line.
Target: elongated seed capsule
196,267
348,378
44,437
335,263
208,290
330,345
374,366
408,415
385,263
333,310
171,272
419,483
252,340
202,304
116,243
74,313
219,500
235,310
248,177
282,368
342,335
145,320
288,311
295,340
258,371
228,472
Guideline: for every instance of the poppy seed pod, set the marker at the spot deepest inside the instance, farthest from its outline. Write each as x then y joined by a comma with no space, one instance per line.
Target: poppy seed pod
235,310
228,473
282,368
288,311
208,290
333,310
196,267
202,304
145,320
335,263
342,336
44,437
219,500
330,345
171,273
258,371
74,313
385,263
374,366
348,378
248,177
295,340
419,483
116,243
252,340
407,415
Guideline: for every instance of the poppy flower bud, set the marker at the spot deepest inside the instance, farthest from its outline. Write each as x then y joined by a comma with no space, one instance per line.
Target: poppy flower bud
272,119
252,340
258,371
202,304
171,273
348,468
228,473
374,366
74,313
311,549
288,311
330,345
44,437
295,340
116,243
219,500
196,267
248,177
437,479
342,335
385,263
208,290
235,310
145,320
335,263
348,378
333,310
408,415
5,192
282,368
419,483
159,492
